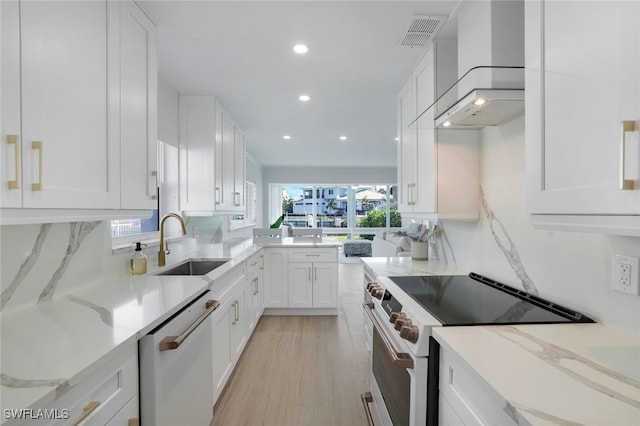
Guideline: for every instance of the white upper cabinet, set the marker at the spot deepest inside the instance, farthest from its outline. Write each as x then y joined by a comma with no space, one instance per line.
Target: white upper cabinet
438,170
138,109
78,110
212,157
582,90
68,109
10,146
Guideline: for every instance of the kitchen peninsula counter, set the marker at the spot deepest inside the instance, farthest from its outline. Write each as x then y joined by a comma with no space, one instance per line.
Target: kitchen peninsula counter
399,266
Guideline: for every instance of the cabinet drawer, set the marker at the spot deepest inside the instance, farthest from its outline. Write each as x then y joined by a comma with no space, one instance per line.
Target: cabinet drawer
313,255
254,262
97,399
222,286
128,416
473,400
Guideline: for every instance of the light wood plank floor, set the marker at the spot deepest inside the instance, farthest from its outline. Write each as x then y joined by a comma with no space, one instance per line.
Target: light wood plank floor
303,370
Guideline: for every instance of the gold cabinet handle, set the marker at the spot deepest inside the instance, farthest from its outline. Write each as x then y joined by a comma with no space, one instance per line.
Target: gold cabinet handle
174,342
410,187
133,421
627,126
38,145
237,198
235,313
15,140
154,195
89,407
255,282
217,195
367,399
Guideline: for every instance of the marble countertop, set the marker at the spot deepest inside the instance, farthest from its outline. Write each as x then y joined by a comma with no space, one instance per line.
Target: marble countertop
395,266
556,373
49,347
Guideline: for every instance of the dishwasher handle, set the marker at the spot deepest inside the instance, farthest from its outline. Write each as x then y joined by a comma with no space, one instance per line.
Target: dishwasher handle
174,342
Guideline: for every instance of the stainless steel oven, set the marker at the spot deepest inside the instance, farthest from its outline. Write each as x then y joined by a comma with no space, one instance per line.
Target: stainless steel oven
401,312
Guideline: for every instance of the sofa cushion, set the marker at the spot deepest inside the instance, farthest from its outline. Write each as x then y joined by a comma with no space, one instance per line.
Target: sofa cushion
414,230
403,244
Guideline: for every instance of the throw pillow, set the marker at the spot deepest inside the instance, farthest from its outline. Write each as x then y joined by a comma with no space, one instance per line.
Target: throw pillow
414,230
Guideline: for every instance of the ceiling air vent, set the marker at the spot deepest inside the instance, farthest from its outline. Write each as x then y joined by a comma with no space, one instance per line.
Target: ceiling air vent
422,29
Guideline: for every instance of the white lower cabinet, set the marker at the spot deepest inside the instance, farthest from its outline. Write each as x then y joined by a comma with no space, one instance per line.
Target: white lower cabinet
221,349
300,278
128,416
275,274
465,398
313,285
231,324
238,323
254,291
313,278
102,397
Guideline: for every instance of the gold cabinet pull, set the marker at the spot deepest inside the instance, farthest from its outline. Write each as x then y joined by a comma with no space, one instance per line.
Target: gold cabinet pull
367,399
15,140
154,196
89,407
255,282
217,195
133,421
410,187
627,126
235,312
174,342
38,145
237,198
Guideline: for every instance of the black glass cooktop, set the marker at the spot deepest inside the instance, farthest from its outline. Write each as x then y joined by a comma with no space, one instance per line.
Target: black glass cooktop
477,300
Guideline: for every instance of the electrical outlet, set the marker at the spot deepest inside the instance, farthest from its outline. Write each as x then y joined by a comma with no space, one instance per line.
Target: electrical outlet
626,274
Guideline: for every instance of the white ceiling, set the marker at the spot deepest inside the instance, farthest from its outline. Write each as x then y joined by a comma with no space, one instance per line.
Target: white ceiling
241,51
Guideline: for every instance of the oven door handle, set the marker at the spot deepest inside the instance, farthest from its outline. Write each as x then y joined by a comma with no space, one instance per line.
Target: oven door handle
400,359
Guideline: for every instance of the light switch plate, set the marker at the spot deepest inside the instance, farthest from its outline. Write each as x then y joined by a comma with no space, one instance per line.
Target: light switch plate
626,274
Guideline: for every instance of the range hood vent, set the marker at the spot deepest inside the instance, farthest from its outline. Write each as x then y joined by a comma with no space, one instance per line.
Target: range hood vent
422,29
484,96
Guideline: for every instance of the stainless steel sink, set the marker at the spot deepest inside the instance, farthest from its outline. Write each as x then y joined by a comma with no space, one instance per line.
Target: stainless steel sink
194,267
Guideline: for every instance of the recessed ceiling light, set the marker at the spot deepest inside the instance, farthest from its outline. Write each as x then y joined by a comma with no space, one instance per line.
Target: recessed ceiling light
447,124
343,138
300,49
304,98
287,137
395,139
479,101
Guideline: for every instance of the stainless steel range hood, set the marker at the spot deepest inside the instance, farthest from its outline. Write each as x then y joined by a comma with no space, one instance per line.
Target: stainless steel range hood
484,96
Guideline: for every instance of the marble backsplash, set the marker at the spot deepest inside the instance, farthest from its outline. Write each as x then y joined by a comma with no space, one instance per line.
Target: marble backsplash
44,261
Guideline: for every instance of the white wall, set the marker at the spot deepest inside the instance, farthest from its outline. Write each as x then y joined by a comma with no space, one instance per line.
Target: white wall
570,268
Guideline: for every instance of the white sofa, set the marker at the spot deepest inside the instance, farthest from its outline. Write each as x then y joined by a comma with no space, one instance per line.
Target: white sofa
387,244
392,244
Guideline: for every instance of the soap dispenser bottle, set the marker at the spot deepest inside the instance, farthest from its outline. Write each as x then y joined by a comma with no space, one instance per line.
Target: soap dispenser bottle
138,261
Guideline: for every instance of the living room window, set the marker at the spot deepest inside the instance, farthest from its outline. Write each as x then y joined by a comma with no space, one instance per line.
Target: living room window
345,211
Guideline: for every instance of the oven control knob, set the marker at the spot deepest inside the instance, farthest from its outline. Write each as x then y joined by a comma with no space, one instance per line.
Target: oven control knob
378,293
373,288
410,333
402,322
395,316
370,285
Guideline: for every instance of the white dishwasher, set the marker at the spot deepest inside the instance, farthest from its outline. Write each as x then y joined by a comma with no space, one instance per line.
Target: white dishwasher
176,369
